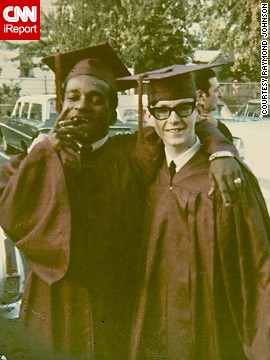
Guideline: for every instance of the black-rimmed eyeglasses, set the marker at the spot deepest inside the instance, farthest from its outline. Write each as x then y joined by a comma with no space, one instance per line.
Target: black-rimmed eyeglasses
164,112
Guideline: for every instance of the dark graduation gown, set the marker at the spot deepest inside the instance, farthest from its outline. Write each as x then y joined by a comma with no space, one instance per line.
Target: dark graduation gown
206,291
78,225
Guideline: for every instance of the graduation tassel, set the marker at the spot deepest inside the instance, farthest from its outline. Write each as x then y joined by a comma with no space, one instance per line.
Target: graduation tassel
58,82
140,108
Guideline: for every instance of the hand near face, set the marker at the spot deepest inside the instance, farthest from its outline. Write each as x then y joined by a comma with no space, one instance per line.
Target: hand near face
60,136
206,117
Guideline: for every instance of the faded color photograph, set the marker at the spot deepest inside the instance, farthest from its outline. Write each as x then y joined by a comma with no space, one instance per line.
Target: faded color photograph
135,183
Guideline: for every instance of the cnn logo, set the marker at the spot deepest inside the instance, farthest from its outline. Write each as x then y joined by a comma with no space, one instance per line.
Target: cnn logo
15,13
19,19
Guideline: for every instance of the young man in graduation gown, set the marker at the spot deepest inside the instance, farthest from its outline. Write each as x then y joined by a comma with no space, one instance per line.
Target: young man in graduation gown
74,206
206,288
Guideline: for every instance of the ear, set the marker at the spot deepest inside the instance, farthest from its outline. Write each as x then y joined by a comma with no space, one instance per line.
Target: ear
200,95
200,107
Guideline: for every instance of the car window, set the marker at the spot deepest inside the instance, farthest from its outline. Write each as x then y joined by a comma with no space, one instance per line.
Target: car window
242,111
17,111
130,115
253,110
223,112
52,110
36,112
24,110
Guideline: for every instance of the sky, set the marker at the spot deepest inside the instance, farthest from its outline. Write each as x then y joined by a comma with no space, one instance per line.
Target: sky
46,4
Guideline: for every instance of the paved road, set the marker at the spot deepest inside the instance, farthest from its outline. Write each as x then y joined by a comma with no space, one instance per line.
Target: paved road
265,186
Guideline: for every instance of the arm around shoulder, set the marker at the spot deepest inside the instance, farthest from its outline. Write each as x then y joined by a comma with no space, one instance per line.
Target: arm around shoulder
148,153
213,140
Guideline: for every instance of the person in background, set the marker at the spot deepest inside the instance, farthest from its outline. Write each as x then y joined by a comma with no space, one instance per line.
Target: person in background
74,206
205,290
208,94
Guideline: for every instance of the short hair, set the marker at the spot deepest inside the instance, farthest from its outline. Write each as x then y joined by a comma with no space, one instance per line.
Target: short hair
202,78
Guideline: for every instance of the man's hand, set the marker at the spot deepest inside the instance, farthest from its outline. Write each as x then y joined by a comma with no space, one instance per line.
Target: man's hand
226,177
207,117
61,137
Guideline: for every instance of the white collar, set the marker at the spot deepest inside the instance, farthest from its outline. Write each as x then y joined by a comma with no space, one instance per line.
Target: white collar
183,158
97,144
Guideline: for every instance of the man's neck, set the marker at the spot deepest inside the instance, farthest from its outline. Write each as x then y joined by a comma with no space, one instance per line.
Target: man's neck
175,151
181,159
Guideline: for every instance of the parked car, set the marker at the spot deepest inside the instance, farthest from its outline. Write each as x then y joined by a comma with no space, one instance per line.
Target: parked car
120,128
31,115
254,131
12,276
224,114
35,114
252,111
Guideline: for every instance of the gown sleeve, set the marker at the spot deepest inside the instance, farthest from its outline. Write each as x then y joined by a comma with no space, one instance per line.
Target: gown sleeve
212,139
146,155
34,210
244,249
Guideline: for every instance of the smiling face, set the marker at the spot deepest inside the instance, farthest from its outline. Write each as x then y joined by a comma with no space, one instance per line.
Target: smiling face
177,132
89,100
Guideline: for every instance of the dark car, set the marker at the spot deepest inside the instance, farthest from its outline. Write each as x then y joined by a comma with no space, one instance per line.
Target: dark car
35,114
31,115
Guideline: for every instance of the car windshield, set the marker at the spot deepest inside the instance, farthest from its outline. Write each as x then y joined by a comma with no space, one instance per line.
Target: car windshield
223,112
130,115
36,112
252,110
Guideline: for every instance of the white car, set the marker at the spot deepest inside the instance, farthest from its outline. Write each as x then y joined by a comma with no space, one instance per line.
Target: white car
254,130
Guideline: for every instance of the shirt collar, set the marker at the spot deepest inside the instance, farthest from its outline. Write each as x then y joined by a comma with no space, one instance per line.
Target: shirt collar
182,159
97,144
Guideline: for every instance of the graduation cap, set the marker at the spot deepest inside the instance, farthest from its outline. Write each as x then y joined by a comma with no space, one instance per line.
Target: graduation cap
100,61
175,80
169,83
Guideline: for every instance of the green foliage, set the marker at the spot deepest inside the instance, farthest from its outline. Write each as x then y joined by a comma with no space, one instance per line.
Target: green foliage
155,33
233,27
9,91
8,96
147,34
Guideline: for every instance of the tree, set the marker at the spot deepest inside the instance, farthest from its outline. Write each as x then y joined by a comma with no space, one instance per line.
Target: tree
146,34
27,51
8,96
234,27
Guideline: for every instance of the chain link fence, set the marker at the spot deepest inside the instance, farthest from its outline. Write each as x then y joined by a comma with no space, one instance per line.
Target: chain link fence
236,94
